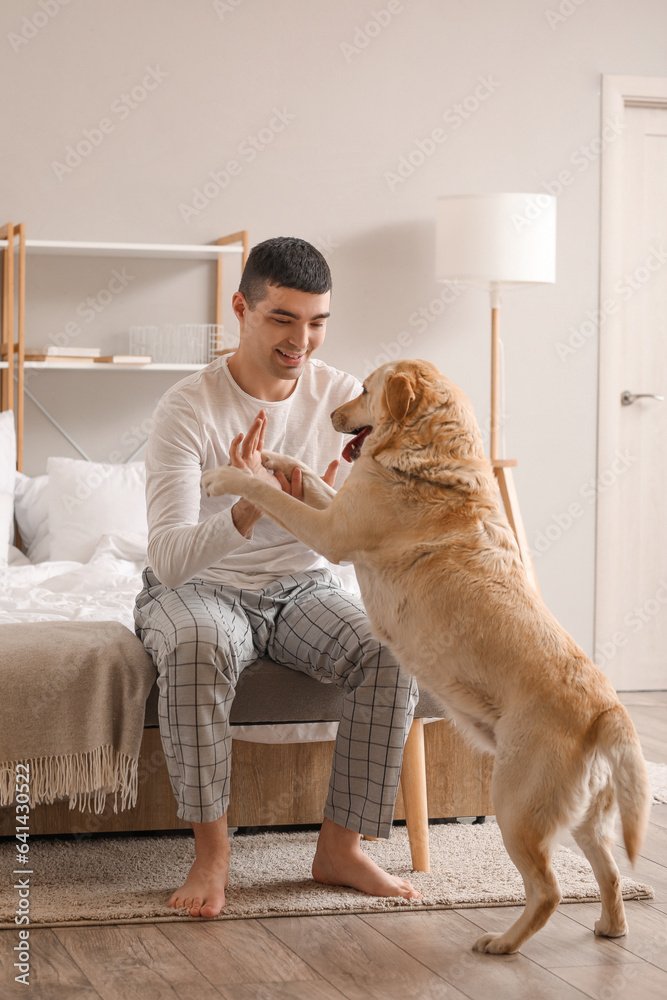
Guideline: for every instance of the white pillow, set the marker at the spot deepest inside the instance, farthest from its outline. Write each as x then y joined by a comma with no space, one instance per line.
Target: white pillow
90,499
6,525
7,452
31,509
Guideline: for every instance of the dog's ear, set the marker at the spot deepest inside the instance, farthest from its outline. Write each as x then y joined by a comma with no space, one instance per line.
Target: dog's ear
399,394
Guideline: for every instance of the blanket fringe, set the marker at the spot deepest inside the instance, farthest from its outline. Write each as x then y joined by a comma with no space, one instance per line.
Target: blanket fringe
84,778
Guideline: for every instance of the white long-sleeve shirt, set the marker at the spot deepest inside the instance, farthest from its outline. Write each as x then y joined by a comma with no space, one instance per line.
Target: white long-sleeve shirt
192,535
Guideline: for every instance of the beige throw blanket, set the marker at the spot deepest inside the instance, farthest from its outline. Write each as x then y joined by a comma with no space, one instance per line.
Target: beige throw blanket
72,703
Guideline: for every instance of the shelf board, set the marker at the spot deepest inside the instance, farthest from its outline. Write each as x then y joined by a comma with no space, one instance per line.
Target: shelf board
175,251
108,366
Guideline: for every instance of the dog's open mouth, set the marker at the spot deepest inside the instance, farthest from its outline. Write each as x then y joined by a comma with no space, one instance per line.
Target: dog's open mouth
352,449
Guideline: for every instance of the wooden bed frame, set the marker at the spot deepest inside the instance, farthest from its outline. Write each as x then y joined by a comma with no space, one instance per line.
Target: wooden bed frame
268,788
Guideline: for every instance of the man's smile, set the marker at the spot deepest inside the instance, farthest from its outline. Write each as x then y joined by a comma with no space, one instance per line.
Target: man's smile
291,357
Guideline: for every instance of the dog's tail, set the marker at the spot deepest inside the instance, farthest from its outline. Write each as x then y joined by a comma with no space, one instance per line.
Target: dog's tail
618,742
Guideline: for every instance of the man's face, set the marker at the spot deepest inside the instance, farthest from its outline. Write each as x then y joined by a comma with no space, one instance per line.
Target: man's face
280,333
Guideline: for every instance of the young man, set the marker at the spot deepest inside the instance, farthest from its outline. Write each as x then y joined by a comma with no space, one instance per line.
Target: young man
226,585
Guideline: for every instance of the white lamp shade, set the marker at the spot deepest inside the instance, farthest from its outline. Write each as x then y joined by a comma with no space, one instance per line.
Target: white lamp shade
496,238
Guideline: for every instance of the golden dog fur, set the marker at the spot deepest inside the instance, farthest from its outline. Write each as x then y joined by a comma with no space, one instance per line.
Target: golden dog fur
445,588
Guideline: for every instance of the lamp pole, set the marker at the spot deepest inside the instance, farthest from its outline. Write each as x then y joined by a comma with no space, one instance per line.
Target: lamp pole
495,371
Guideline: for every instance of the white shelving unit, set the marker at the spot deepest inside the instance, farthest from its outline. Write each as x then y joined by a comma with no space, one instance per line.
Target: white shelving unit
214,252
14,244
173,251
89,366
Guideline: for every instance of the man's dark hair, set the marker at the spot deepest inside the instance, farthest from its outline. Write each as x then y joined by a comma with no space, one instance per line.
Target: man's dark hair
284,261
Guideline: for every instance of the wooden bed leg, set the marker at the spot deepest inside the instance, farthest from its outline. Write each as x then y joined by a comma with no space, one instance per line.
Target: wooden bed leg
413,786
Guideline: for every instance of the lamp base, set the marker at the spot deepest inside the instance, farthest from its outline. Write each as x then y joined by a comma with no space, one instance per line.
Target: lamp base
502,468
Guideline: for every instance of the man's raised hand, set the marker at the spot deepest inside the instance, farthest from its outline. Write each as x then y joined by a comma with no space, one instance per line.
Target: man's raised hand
245,451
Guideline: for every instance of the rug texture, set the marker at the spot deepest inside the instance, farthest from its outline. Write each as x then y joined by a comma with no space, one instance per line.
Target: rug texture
126,879
657,774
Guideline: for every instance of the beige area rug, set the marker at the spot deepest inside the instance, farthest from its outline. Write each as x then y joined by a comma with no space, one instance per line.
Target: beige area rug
657,774
124,879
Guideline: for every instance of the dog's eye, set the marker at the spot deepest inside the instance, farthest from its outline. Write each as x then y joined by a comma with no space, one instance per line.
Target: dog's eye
364,390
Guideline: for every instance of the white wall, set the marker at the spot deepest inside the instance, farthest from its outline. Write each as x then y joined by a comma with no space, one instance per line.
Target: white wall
350,112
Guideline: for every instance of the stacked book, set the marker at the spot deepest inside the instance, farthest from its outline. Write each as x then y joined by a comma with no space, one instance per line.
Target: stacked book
83,355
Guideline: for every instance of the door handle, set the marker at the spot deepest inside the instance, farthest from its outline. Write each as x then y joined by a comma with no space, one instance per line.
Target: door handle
628,398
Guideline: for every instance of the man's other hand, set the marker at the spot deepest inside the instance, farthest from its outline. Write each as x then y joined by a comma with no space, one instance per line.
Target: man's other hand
294,485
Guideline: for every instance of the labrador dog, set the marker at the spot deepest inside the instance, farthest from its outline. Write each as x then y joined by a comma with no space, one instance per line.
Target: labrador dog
444,587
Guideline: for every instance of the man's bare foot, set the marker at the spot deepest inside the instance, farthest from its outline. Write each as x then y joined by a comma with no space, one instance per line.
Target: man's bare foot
340,860
203,892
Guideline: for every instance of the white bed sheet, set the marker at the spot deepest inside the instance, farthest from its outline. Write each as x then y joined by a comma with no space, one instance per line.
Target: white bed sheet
104,589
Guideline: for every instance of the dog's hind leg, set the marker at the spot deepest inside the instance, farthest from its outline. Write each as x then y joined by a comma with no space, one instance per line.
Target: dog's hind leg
532,856
593,835
528,835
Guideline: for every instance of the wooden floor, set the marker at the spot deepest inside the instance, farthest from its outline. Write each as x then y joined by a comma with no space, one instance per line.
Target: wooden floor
413,955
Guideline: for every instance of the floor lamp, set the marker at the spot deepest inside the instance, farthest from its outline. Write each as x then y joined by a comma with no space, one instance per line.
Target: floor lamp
496,240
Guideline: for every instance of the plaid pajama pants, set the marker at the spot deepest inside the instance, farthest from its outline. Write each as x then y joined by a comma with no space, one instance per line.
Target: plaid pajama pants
202,635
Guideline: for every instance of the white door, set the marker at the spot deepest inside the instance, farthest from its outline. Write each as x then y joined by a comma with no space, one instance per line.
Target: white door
631,571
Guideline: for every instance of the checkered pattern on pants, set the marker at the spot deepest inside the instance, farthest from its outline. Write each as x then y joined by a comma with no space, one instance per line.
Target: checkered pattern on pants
202,635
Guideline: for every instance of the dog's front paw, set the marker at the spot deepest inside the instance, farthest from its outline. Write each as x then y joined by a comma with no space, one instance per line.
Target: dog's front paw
225,479
277,462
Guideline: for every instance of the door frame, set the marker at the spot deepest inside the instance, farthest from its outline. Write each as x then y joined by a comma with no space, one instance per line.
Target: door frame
618,93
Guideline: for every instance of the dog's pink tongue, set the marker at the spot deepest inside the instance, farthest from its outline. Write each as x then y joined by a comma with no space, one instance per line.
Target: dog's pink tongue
353,447
347,450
